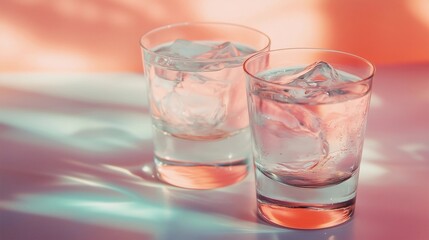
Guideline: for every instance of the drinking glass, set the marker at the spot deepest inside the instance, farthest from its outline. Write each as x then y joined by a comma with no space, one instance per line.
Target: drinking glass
197,96
308,111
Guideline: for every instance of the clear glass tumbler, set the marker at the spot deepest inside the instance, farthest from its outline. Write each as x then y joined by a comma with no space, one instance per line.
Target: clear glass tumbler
308,110
197,96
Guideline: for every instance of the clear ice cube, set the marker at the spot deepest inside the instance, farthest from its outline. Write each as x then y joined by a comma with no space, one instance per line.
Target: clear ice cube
297,124
317,74
198,50
194,96
224,50
185,49
312,82
196,105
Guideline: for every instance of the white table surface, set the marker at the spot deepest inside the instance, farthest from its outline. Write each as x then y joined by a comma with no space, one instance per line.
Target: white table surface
76,163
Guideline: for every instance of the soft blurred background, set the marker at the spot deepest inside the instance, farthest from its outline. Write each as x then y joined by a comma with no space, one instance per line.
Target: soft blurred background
103,35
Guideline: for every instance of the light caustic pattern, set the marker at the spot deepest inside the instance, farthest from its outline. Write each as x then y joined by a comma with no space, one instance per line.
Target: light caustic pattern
311,134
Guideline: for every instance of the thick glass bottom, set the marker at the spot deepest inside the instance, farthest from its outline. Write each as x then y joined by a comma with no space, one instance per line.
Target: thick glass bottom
308,216
196,176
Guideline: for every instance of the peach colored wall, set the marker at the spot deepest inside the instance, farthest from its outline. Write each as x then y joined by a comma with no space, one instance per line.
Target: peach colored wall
103,35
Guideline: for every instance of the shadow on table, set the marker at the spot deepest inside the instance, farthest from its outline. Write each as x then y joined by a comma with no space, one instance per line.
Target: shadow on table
88,165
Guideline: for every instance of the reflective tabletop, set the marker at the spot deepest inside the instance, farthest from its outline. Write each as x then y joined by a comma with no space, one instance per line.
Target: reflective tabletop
76,162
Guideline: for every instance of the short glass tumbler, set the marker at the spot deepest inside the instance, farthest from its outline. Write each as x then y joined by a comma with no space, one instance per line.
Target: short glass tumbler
308,111
197,97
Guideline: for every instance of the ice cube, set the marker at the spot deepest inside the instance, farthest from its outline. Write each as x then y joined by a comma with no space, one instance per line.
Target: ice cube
317,74
184,49
316,82
196,105
198,50
224,50
295,129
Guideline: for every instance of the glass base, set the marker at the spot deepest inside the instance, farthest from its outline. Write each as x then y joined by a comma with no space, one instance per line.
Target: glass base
309,216
197,176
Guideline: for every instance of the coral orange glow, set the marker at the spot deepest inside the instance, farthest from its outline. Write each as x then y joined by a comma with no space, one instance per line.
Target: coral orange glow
102,36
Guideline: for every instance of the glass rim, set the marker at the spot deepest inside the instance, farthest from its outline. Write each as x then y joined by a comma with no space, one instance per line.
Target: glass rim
261,54
181,24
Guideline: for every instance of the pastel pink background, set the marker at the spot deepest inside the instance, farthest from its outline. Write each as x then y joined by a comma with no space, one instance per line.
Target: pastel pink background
103,35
